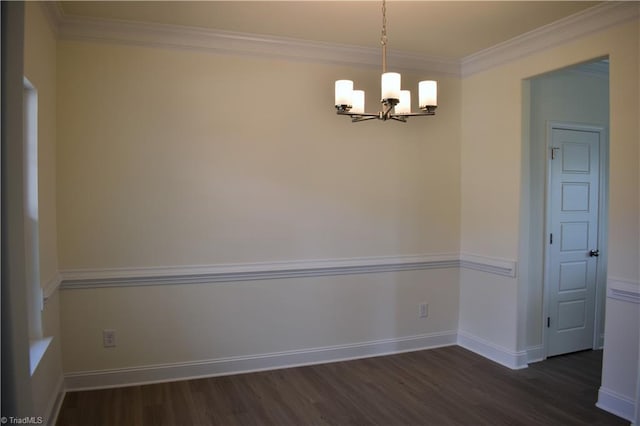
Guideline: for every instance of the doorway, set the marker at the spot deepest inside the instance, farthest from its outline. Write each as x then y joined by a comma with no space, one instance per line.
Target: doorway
571,103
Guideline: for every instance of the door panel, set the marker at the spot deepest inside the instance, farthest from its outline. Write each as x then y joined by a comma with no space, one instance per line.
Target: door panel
575,197
573,236
573,190
573,275
571,315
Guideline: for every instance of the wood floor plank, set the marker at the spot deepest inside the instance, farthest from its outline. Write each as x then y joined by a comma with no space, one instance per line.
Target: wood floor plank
444,386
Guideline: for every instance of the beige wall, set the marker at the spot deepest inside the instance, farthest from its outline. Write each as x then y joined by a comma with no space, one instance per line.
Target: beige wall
491,148
173,158
40,69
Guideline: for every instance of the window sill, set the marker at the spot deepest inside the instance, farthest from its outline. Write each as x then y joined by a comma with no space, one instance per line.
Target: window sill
37,349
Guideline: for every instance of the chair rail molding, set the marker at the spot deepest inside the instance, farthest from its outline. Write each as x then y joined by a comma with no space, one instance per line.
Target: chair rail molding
623,289
493,265
51,286
199,274
230,272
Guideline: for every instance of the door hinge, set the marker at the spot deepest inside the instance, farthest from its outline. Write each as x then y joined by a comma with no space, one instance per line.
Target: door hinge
553,153
550,238
548,322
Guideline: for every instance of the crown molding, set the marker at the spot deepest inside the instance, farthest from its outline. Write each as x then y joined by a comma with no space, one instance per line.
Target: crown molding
580,24
53,13
219,41
589,21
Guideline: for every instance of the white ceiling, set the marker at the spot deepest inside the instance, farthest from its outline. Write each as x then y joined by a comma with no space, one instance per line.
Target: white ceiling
447,29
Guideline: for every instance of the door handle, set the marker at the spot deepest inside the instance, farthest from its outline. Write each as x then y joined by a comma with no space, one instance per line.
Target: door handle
594,253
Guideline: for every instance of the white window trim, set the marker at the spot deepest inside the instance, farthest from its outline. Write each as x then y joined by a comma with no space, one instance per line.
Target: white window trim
35,303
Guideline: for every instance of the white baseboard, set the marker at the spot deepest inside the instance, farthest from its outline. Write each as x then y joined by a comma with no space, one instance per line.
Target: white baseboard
55,403
245,364
535,354
615,403
499,354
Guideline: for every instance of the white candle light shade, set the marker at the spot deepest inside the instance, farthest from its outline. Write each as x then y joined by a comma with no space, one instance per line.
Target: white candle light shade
344,92
390,83
404,106
427,93
358,102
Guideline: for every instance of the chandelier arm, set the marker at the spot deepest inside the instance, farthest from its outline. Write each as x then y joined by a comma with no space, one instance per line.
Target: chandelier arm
358,114
400,118
414,114
359,118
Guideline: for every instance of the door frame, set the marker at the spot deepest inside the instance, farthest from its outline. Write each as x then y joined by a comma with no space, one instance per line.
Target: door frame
603,210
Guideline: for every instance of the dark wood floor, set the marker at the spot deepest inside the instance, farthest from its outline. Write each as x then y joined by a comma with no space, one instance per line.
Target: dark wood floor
445,386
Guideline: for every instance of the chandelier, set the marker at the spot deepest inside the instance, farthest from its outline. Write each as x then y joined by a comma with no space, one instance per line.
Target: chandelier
396,103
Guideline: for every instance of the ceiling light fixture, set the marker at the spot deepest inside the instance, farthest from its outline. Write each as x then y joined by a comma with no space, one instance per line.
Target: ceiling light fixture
396,103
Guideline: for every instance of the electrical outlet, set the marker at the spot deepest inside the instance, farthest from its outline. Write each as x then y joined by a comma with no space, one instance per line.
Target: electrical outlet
423,310
109,338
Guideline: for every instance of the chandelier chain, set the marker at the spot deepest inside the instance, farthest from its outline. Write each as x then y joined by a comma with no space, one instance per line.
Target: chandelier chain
383,37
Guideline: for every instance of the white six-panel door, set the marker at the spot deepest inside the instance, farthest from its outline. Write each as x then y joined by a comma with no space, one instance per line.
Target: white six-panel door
573,238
